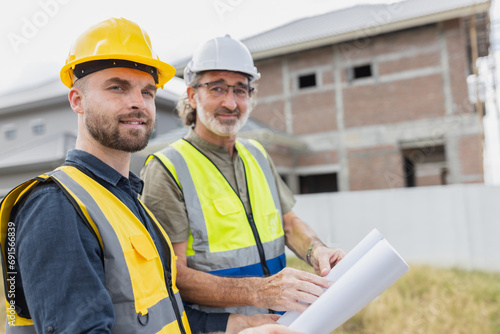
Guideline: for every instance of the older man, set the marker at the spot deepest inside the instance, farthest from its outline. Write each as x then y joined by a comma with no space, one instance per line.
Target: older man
224,206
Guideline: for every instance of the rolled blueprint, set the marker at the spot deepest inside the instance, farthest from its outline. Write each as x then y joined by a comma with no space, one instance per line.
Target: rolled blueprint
365,272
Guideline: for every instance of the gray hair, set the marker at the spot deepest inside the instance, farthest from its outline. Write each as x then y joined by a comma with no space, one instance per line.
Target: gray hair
184,109
188,113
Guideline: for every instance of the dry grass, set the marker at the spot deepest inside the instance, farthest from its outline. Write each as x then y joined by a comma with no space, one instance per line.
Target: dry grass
430,300
425,300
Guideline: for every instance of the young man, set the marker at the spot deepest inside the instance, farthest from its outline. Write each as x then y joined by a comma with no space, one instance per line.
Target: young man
224,206
81,253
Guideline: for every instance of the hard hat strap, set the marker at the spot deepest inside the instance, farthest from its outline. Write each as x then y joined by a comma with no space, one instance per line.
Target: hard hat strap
89,67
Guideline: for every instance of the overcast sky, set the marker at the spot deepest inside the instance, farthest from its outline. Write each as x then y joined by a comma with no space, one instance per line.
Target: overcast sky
36,34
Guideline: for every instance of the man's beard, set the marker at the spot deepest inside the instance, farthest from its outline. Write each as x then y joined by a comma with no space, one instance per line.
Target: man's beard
221,127
106,131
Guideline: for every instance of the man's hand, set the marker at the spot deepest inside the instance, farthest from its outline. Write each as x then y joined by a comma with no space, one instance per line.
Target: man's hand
239,322
290,289
270,329
299,237
324,258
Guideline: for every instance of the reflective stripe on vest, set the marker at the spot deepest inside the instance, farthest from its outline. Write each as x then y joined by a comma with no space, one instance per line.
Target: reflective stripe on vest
135,277
221,240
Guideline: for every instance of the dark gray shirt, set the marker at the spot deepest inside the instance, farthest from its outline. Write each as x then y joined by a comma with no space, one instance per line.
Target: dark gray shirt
59,258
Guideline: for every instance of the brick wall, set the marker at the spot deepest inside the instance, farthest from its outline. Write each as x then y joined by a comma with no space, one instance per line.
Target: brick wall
471,157
417,75
272,78
270,113
458,60
281,159
402,41
429,180
393,102
317,158
412,62
314,112
309,59
375,168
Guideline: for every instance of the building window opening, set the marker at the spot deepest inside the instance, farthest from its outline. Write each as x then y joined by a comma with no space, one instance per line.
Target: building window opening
10,134
38,129
409,173
308,80
363,71
425,166
320,183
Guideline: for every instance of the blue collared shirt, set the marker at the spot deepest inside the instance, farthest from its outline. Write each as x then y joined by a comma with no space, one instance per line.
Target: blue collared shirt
59,258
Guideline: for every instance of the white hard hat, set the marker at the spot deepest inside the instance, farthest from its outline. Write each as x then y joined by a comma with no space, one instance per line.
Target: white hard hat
221,53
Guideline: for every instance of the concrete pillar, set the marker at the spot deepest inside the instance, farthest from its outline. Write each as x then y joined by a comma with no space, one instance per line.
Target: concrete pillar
287,96
343,175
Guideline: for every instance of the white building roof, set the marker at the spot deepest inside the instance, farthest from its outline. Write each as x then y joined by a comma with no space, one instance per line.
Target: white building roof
33,155
53,89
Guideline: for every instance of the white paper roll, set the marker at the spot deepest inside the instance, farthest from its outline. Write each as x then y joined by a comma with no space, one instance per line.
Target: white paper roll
343,266
369,269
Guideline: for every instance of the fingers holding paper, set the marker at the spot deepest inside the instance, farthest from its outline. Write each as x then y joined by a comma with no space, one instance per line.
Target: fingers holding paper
323,258
290,289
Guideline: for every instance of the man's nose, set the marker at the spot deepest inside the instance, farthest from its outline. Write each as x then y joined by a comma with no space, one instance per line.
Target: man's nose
229,100
137,99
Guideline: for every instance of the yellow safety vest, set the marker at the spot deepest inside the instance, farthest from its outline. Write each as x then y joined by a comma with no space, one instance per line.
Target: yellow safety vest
223,239
144,295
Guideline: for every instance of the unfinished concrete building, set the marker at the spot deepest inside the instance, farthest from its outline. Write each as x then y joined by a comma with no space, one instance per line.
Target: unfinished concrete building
374,96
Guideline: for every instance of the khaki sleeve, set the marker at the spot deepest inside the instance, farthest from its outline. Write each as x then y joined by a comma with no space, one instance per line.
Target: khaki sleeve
287,200
163,197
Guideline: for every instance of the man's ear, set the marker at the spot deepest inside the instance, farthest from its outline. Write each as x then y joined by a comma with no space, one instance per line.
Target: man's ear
191,94
75,97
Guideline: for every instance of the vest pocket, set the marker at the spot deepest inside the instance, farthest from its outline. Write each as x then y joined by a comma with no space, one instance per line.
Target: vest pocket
227,225
227,205
146,273
143,246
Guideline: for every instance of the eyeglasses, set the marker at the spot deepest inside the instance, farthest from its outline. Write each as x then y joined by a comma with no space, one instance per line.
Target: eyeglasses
218,89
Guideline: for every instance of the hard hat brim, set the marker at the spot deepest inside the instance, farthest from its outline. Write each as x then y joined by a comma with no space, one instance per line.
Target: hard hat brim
165,71
250,72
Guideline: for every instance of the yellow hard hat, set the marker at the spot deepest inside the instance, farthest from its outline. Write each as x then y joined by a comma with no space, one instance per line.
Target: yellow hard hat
115,39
